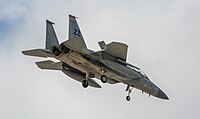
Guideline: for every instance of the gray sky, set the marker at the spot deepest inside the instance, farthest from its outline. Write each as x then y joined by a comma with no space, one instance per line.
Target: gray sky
163,38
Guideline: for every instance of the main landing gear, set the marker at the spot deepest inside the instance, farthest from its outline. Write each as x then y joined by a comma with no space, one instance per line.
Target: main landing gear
103,79
129,89
85,83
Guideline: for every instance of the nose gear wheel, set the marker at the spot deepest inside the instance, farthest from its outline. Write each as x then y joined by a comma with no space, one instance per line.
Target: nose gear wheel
129,89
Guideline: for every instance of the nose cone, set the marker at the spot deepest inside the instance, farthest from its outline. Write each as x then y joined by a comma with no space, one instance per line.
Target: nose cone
162,95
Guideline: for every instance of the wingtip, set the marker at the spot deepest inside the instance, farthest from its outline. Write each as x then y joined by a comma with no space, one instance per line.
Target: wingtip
97,86
22,52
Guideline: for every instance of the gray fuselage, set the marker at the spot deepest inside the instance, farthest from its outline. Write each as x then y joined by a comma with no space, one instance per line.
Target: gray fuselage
118,72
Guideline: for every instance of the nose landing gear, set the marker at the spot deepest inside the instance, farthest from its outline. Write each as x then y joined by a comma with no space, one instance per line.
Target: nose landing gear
129,89
128,98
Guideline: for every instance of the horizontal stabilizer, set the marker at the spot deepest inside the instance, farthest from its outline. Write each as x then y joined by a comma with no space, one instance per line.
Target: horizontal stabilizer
48,64
37,53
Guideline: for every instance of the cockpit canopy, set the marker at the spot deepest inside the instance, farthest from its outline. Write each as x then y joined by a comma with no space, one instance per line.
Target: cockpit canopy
139,71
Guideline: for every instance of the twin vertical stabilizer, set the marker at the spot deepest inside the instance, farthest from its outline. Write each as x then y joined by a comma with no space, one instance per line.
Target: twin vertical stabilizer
51,38
75,32
75,37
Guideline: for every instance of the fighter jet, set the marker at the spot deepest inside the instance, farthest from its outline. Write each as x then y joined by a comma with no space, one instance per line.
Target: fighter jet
84,65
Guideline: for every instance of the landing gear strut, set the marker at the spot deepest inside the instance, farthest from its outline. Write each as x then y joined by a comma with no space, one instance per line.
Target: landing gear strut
85,83
103,77
129,89
128,98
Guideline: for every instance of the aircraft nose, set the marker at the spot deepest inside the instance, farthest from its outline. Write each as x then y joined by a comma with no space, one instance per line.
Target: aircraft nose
162,95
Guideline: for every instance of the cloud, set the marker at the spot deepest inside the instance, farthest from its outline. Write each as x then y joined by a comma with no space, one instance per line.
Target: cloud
12,18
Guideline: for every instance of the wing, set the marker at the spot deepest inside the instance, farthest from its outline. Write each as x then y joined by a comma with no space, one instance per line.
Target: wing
116,49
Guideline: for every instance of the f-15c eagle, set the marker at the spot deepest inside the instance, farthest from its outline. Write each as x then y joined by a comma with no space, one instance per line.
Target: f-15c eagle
84,65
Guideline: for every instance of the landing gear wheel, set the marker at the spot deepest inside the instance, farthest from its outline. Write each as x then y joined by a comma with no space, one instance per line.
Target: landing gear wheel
103,79
85,83
128,98
129,89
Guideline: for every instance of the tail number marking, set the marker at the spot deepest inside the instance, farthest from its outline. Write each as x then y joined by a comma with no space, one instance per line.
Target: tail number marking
77,32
